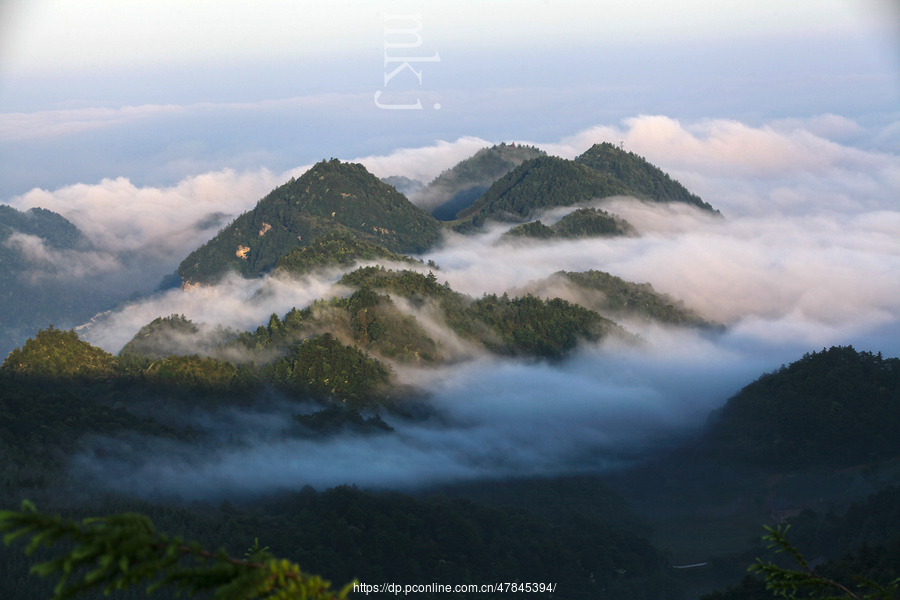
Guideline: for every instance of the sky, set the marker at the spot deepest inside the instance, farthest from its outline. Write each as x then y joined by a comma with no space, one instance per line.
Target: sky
151,124
157,92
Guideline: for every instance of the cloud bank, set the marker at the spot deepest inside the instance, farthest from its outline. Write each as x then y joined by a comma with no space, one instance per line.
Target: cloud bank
496,418
807,256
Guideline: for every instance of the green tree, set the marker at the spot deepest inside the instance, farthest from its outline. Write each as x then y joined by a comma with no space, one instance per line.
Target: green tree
121,551
790,582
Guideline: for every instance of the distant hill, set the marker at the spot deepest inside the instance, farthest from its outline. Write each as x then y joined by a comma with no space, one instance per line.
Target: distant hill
640,177
54,229
539,183
176,335
524,325
55,354
581,223
325,368
459,186
35,290
615,298
372,321
833,408
332,197
550,181
404,185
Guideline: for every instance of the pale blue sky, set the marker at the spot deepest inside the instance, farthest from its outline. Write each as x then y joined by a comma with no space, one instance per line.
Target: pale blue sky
158,91
51,36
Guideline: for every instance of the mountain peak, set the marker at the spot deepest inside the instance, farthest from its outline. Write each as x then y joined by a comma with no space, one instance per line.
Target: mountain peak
643,179
331,197
456,188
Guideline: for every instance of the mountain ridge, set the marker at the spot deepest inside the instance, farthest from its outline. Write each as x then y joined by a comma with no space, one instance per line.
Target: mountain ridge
331,197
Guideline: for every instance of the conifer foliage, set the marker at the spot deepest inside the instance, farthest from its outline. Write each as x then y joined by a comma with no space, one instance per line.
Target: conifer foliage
121,551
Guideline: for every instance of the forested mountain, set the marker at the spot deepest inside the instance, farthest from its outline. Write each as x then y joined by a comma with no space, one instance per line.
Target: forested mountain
833,408
796,447
35,287
55,354
616,298
458,187
53,393
524,325
642,179
53,229
315,380
549,181
335,250
370,320
543,182
57,389
581,223
332,197
165,336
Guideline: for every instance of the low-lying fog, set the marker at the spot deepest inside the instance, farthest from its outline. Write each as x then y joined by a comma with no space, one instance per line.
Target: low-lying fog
783,286
806,256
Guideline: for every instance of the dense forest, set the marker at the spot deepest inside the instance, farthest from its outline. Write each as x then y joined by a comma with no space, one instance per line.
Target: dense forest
539,183
618,298
834,408
643,179
345,533
457,187
335,250
581,223
862,543
332,197
57,389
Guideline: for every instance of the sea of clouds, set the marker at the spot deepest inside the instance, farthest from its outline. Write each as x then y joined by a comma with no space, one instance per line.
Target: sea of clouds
806,255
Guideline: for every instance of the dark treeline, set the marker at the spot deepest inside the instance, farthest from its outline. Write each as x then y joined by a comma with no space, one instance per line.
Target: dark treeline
57,389
863,543
837,407
346,533
581,223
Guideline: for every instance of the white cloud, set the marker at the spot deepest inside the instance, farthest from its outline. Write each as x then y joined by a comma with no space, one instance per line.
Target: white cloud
60,265
233,304
425,163
830,272
117,215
